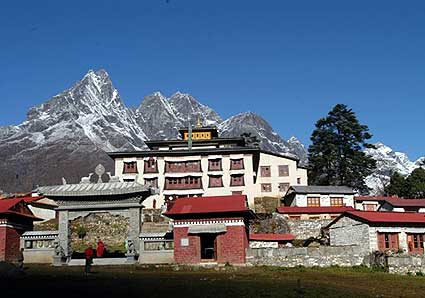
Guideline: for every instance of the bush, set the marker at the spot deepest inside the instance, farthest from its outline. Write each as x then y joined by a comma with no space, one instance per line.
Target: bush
81,232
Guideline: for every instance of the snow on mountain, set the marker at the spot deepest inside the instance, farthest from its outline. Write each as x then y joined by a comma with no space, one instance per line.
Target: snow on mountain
252,123
92,107
68,135
388,161
156,117
187,108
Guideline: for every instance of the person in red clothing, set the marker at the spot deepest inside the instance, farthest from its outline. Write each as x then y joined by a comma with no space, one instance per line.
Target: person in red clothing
100,249
89,259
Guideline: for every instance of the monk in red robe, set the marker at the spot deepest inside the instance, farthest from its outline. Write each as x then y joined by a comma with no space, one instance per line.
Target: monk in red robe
100,250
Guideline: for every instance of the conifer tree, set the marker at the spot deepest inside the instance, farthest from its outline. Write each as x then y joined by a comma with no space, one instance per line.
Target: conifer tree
397,186
336,154
416,183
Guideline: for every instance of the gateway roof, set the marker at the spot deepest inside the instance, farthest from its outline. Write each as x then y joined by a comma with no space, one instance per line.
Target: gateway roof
92,189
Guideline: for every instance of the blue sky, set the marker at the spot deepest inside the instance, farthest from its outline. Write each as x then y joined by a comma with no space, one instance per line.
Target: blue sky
288,61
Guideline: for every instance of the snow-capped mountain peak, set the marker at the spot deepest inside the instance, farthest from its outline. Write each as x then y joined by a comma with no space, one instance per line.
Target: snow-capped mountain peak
388,161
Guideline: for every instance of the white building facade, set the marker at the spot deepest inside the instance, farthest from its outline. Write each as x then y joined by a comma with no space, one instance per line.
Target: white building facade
208,166
319,196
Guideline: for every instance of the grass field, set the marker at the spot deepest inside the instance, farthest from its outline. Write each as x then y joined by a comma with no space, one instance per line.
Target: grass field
136,281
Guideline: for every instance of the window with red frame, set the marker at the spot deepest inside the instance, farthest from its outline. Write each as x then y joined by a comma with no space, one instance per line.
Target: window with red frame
388,241
237,180
215,181
214,165
236,164
337,202
130,167
283,170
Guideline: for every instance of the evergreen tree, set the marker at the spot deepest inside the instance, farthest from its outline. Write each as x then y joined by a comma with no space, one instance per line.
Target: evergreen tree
416,183
336,154
397,186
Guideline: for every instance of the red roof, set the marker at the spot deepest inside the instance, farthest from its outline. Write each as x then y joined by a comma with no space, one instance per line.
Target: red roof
30,199
387,217
7,204
218,204
370,198
312,210
395,201
271,237
399,202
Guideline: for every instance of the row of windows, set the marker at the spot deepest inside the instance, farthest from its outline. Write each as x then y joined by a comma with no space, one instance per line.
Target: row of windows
267,187
390,241
196,182
151,166
315,202
216,181
283,171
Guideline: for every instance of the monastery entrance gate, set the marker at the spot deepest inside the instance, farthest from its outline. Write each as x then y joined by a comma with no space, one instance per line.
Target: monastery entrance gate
79,204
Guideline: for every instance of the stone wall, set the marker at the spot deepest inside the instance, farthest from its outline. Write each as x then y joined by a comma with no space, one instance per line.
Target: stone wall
322,256
269,223
405,264
306,228
112,229
266,204
347,231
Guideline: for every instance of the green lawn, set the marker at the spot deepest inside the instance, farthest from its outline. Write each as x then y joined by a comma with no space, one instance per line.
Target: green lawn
137,281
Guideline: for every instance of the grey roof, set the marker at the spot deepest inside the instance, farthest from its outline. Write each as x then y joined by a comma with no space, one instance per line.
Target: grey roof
93,189
322,189
39,234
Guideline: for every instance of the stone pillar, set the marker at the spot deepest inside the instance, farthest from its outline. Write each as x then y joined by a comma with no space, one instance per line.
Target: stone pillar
64,233
135,226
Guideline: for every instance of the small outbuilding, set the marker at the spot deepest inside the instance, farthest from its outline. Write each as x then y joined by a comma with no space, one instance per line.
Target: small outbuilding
15,219
403,205
368,203
379,231
210,229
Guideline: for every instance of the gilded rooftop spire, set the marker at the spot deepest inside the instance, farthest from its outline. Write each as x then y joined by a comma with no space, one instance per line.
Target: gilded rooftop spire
198,121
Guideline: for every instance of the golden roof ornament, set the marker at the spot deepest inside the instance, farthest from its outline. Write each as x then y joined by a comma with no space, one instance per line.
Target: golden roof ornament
198,121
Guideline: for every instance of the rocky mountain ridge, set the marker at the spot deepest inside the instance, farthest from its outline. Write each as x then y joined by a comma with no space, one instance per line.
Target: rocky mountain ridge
69,134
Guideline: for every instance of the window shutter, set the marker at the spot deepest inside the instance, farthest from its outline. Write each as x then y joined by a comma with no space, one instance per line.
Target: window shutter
381,242
394,241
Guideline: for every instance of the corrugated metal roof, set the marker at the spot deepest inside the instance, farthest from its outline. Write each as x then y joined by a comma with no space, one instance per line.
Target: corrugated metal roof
319,189
92,189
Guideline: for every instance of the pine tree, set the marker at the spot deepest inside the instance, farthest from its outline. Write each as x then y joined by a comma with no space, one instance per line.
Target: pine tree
416,183
336,154
397,186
